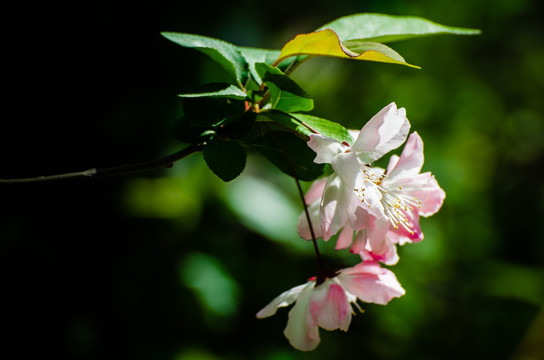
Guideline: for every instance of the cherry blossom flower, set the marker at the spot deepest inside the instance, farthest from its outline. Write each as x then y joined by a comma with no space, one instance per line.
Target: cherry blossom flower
406,194
386,131
327,304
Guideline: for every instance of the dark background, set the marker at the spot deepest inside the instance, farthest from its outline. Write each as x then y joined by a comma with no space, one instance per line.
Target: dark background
174,264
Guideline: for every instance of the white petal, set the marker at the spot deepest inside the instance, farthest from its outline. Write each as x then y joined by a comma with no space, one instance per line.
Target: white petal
301,330
325,148
285,299
336,202
386,131
348,167
411,158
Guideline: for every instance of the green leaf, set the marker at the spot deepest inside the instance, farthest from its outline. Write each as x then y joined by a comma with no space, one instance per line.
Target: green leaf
256,55
290,154
219,90
324,127
285,94
287,121
307,125
224,53
226,158
327,43
387,28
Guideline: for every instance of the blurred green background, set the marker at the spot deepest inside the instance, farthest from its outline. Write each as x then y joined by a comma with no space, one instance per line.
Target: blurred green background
174,264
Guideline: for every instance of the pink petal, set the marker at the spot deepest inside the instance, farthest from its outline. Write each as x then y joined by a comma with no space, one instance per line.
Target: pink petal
325,148
429,193
376,235
386,131
401,235
371,283
411,159
387,257
360,242
330,307
344,239
393,160
315,191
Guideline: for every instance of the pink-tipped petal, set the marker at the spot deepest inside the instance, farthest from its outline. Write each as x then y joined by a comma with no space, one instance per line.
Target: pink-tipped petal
387,257
330,307
325,148
371,283
386,131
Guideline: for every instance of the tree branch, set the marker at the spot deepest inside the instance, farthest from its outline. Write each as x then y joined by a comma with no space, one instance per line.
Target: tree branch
166,162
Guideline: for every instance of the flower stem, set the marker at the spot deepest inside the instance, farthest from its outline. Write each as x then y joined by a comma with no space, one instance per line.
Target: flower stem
320,265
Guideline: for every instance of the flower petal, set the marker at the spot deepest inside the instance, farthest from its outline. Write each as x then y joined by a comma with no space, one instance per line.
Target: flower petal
348,167
376,236
302,226
402,236
284,299
429,193
371,283
411,159
301,330
359,244
325,148
334,206
344,239
388,257
386,131
315,191
330,307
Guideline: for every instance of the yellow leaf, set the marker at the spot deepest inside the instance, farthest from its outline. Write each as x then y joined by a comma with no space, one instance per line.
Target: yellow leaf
326,43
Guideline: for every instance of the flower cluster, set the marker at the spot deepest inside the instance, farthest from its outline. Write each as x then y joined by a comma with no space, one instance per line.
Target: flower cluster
372,210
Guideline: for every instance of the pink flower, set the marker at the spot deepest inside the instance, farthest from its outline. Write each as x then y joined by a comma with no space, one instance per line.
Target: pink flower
386,131
327,305
407,194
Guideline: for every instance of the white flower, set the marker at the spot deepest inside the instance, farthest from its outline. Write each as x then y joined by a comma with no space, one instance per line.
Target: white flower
386,131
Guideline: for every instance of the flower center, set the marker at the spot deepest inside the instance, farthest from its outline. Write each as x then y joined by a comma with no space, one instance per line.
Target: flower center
369,179
395,200
396,203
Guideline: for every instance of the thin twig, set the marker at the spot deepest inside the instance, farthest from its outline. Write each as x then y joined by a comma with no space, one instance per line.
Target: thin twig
166,162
